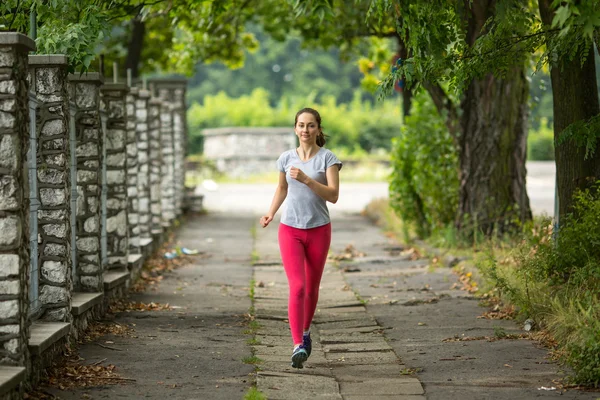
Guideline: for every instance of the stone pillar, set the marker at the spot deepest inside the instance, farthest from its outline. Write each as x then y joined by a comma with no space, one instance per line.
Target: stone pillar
167,185
143,181
48,79
132,172
85,92
114,102
14,202
173,90
155,166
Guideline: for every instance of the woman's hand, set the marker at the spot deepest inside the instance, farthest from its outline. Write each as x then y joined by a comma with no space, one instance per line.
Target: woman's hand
297,174
265,219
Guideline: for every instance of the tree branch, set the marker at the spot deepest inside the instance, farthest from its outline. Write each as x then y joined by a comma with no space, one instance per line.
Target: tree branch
445,107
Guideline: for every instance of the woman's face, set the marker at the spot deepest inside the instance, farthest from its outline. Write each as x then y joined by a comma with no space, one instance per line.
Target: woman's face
307,128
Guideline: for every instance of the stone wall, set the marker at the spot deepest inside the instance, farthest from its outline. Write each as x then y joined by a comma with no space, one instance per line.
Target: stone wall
63,140
14,202
48,79
240,152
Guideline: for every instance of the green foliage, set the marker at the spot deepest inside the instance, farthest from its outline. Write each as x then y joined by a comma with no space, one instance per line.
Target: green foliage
556,281
344,124
424,181
584,133
540,142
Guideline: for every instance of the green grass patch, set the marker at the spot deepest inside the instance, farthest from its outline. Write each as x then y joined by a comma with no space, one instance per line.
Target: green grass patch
253,342
251,360
254,394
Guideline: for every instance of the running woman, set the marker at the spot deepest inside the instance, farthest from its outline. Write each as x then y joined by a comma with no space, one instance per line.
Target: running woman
308,178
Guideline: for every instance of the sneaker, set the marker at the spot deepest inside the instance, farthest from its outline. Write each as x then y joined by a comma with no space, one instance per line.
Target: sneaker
307,343
299,356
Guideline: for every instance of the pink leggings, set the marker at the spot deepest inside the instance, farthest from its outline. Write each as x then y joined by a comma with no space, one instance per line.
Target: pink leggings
304,253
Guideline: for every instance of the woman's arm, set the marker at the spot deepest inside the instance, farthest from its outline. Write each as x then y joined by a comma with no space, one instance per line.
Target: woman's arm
329,192
278,198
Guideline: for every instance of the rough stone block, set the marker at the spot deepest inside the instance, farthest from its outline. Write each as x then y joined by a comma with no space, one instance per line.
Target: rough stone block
54,144
8,87
92,204
51,175
53,294
86,176
9,197
10,287
80,201
91,258
53,197
10,232
9,329
91,282
86,95
91,225
12,346
56,160
48,80
55,271
89,149
9,150
10,265
7,120
118,224
56,230
56,314
115,139
115,160
7,57
8,105
88,244
90,134
92,164
55,250
9,309
52,215
88,269
53,127
115,177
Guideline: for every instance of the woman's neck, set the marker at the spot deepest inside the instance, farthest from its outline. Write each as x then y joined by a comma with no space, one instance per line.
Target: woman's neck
306,151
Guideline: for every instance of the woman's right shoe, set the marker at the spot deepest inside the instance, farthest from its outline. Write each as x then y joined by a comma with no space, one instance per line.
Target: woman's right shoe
299,356
307,343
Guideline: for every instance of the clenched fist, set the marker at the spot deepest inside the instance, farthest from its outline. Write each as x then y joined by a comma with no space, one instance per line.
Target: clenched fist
297,174
265,220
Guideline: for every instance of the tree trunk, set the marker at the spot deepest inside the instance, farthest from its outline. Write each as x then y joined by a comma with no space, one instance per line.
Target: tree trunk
492,143
134,49
575,96
407,93
492,153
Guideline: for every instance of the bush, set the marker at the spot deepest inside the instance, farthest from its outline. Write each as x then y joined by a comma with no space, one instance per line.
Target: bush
346,125
540,143
556,281
424,180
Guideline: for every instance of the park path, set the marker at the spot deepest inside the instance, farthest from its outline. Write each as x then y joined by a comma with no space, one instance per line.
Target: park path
388,327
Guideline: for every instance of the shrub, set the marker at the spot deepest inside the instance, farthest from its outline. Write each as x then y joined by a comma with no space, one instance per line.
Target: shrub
346,125
424,179
556,281
540,143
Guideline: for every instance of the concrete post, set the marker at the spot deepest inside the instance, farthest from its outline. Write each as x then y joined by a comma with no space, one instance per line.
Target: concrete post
85,91
14,202
114,102
48,79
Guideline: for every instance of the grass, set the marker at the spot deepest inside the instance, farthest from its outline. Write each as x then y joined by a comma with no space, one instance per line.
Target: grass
251,360
254,394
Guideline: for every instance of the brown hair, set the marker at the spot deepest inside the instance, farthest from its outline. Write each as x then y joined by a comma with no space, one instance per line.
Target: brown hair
321,138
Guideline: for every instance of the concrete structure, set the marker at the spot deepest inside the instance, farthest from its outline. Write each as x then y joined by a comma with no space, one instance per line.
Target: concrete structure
240,152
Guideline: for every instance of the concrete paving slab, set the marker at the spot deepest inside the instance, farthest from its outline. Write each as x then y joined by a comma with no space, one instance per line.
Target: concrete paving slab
376,344
375,357
378,386
298,386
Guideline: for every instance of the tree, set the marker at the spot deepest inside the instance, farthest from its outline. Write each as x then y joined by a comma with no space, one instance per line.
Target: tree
489,121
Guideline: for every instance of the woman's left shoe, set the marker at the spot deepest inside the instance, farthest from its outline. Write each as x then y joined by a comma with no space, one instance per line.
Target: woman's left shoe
299,356
307,343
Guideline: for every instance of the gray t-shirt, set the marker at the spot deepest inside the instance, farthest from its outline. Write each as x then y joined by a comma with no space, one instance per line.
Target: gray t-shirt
304,208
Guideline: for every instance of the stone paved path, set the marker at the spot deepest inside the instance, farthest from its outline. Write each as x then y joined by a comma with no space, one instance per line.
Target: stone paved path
379,333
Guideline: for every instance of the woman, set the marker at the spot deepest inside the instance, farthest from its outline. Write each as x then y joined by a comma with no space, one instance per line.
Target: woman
309,176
